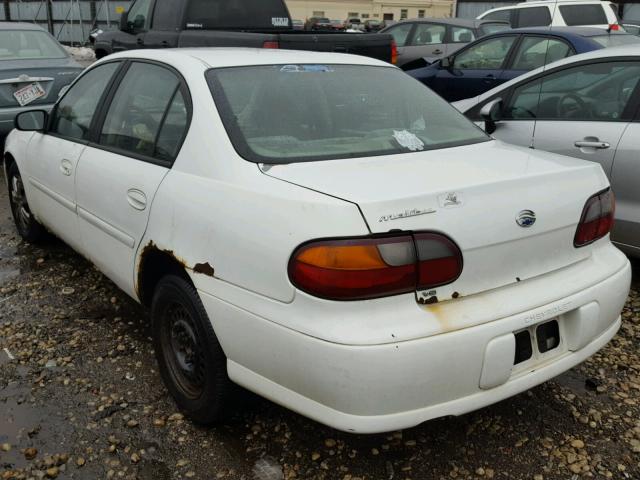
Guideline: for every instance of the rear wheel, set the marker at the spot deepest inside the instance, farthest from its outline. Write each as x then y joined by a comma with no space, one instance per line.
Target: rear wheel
28,227
192,363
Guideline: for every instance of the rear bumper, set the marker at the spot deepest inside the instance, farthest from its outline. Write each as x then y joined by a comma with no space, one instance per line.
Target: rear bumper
377,388
8,115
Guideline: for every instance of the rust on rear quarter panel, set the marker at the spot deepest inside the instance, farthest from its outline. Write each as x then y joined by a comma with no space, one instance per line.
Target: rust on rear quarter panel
204,269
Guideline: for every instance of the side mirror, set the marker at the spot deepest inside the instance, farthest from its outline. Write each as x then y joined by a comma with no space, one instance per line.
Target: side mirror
31,121
447,62
124,22
490,113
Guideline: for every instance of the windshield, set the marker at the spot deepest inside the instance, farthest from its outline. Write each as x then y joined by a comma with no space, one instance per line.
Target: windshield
28,45
616,40
293,113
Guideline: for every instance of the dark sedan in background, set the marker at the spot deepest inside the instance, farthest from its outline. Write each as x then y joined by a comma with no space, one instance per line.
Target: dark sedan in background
423,41
495,59
34,67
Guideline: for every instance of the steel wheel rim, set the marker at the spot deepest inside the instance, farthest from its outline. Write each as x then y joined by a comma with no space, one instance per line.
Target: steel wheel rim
182,351
19,204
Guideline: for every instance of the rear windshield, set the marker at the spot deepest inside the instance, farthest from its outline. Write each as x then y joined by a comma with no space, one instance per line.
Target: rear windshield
28,45
576,15
294,113
237,14
616,40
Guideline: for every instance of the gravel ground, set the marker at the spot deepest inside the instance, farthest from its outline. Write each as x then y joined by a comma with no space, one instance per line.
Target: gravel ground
80,398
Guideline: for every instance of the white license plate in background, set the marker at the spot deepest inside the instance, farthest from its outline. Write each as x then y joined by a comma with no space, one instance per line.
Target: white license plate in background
28,94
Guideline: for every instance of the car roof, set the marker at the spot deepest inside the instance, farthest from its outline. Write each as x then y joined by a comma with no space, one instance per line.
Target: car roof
458,22
579,31
20,26
609,53
215,57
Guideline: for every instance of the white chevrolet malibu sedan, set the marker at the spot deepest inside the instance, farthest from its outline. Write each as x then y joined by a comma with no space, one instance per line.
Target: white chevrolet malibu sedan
322,230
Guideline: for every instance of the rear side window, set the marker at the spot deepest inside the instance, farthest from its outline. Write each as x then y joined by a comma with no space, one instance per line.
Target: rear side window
534,17
74,114
145,107
237,14
535,52
504,15
462,35
576,15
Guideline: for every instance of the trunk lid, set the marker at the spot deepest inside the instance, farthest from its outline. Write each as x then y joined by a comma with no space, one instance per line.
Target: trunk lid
475,195
51,75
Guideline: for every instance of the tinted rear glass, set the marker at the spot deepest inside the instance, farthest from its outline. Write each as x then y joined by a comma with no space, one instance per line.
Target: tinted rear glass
237,14
27,45
294,113
534,17
576,15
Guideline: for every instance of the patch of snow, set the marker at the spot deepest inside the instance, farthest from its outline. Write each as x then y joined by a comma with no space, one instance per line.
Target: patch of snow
81,53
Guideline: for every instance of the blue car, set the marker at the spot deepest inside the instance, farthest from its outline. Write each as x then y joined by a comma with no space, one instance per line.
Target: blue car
495,59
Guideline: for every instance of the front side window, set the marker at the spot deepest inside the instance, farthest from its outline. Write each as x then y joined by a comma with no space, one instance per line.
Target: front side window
138,108
73,116
400,33
596,92
534,17
138,16
485,55
462,35
294,113
428,33
577,15
28,45
535,52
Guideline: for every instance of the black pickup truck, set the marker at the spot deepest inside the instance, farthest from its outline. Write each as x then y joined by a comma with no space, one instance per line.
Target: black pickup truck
229,23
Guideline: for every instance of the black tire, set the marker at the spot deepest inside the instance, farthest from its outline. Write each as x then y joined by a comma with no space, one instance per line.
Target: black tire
192,363
28,227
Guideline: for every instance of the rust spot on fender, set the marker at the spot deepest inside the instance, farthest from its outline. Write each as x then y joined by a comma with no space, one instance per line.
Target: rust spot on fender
149,249
204,269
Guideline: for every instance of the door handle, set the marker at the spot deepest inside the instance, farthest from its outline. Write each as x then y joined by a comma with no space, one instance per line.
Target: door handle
489,78
437,52
598,145
164,44
137,199
140,42
66,167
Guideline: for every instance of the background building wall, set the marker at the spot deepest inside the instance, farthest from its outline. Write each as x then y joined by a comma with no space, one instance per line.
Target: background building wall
378,9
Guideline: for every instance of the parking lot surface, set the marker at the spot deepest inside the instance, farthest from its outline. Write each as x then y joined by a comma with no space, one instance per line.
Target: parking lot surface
80,397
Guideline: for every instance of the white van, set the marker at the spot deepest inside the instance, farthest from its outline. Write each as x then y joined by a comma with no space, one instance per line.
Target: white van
561,13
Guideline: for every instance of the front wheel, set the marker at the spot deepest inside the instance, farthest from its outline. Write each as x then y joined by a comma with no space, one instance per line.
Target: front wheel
192,363
28,227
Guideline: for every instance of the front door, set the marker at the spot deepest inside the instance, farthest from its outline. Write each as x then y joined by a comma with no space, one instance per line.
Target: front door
427,41
138,23
53,156
475,69
119,174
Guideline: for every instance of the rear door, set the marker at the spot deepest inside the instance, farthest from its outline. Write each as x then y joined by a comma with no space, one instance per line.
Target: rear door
533,52
137,138
52,157
427,41
401,34
584,110
476,69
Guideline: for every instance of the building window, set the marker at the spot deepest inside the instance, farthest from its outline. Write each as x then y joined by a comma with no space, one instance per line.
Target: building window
318,13
352,14
365,15
376,15
421,13
404,14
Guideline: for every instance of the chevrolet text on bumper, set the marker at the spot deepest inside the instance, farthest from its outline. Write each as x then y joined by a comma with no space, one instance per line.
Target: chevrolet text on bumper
372,265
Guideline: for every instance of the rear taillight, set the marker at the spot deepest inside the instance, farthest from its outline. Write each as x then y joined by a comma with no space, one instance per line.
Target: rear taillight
394,52
597,218
365,268
274,45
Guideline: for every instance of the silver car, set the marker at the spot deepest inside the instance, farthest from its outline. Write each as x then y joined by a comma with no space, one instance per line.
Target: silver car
586,106
34,67
422,41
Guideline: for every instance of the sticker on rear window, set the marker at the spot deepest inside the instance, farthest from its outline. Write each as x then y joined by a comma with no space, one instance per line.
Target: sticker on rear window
280,21
408,140
305,68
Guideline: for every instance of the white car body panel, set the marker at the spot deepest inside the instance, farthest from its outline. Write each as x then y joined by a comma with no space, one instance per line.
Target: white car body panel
362,366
